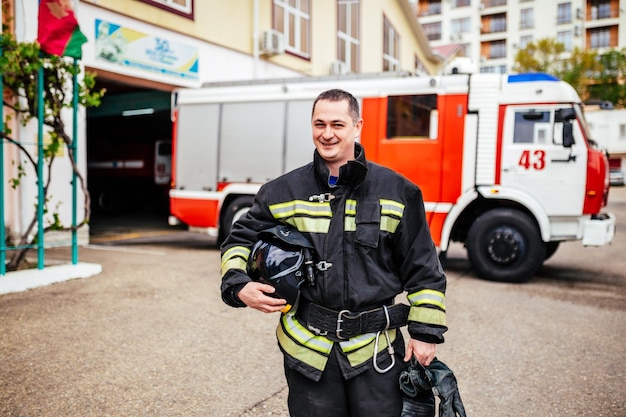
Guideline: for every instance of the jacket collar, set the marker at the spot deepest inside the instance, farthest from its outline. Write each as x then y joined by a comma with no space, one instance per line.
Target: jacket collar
352,174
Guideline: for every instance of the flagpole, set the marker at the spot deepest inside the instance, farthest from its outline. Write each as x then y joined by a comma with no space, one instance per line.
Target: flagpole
40,179
74,150
3,264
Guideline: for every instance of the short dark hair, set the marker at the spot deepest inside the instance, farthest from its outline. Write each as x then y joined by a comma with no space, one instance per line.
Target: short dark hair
338,95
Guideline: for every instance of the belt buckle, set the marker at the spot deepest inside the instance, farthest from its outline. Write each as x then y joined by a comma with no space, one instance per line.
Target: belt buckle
338,330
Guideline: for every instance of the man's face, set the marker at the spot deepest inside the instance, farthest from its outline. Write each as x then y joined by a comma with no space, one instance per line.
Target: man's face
334,133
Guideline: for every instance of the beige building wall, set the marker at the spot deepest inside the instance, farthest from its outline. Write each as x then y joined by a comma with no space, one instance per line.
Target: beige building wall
231,24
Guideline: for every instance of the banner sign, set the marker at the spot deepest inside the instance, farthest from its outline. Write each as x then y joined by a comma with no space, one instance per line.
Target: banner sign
127,47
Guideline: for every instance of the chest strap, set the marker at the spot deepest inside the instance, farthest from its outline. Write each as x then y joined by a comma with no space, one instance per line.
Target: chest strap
344,324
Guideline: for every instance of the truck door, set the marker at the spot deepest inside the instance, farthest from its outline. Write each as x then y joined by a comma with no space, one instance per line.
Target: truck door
537,158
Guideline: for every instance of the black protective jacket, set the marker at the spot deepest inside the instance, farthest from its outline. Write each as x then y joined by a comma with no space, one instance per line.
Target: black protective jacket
371,227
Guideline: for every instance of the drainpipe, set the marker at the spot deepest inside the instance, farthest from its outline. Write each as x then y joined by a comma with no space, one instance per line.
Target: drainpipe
255,39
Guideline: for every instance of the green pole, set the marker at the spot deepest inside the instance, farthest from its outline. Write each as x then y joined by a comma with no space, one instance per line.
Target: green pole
74,150
3,253
40,179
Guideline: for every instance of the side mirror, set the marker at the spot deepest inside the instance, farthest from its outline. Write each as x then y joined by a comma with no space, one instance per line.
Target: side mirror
563,115
568,134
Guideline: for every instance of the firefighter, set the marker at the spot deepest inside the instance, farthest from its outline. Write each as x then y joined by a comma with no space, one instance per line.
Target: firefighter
342,344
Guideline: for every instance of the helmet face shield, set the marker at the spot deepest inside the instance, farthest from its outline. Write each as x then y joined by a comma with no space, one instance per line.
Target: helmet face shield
283,269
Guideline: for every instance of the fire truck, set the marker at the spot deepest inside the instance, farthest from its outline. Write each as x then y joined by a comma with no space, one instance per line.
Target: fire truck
505,162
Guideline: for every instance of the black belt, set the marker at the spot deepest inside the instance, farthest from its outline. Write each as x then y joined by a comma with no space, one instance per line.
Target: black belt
344,324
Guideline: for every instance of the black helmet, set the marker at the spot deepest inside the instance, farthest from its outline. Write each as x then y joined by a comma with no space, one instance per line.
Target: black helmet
282,259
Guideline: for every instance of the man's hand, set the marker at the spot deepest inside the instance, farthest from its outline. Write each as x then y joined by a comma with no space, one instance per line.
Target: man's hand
254,294
423,352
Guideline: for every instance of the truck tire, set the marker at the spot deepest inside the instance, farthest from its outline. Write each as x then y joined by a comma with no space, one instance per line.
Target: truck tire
551,248
505,245
235,209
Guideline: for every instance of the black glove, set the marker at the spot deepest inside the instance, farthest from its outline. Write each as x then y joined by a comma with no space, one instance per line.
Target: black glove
417,382
418,399
445,387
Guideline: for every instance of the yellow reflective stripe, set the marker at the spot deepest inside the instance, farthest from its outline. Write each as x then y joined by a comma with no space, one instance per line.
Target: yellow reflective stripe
367,352
349,224
304,336
302,353
236,263
307,224
350,207
427,315
235,258
391,207
300,207
433,297
389,224
357,342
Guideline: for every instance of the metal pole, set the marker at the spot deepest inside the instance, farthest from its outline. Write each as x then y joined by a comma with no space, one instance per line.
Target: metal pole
40,179
3,264
74,150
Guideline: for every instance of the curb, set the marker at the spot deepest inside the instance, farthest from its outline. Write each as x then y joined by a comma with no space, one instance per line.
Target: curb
23,280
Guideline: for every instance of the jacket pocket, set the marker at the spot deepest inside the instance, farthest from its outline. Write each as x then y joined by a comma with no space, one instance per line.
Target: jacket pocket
368,224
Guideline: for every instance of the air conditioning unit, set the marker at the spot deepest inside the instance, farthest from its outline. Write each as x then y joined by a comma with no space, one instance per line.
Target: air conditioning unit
339,67
577,31
272,43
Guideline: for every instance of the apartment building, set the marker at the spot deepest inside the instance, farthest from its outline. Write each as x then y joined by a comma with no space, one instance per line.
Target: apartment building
142,50
490,32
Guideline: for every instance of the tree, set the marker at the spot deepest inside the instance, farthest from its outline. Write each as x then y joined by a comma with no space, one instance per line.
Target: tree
20,63
579,69
540,56
611,83
593,75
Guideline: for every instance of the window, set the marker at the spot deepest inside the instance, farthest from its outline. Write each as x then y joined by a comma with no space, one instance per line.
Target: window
525,40
293,19
600,9
460,3
410,116
391,47
460,25
564,13
420,68
497,49
494,23
565,38
531,127
527,19
599,38
432,30
348,33
182,7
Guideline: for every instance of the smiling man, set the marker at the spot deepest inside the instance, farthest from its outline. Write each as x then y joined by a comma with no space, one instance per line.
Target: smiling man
343,351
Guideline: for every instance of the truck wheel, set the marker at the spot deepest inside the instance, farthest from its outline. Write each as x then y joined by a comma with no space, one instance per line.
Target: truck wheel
235,209
505,245
551,248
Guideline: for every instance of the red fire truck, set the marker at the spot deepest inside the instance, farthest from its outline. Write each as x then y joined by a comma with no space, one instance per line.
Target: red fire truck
505,162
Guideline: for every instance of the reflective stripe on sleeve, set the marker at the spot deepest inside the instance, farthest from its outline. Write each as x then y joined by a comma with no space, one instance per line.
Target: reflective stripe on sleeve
432,297
427,316
235,258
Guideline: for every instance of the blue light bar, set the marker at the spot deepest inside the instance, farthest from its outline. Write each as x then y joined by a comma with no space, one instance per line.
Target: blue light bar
531,76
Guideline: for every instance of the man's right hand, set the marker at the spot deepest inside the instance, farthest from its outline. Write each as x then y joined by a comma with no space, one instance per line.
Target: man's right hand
254,294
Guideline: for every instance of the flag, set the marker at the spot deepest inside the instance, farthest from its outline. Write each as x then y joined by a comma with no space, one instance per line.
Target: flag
58,32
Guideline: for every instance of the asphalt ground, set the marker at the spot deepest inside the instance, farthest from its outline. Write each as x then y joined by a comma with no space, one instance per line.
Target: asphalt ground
150,336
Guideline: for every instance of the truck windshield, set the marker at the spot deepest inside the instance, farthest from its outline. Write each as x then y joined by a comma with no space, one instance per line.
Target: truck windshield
580,115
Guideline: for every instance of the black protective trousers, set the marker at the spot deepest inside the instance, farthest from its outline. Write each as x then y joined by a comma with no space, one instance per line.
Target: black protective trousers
370,394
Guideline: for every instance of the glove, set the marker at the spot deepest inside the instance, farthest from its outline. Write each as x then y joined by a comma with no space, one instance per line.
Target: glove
445,387
418,399
418,385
